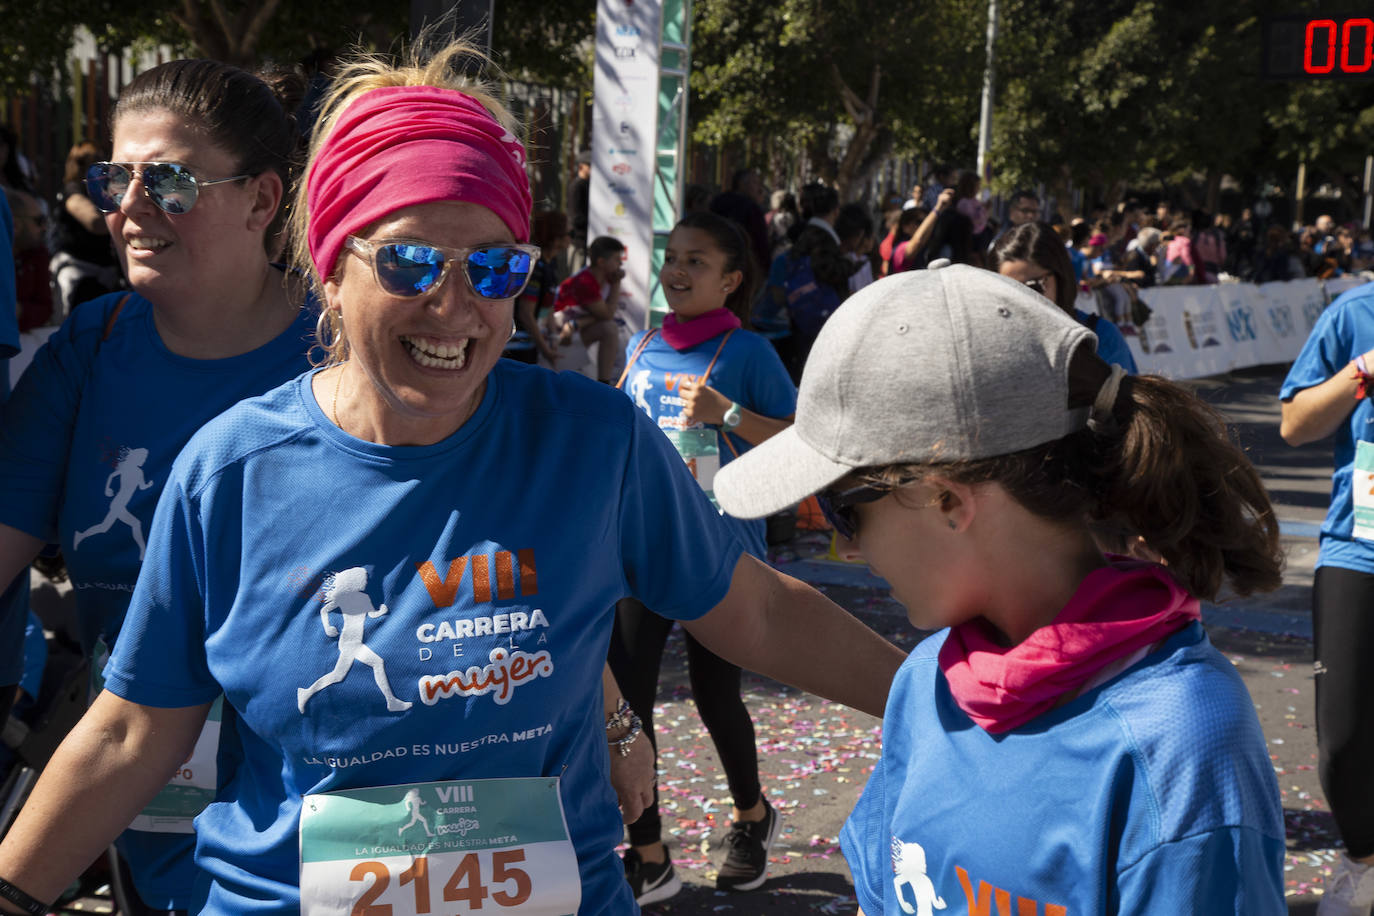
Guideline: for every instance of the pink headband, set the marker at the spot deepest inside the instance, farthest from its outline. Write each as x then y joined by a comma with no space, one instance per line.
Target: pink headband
406,145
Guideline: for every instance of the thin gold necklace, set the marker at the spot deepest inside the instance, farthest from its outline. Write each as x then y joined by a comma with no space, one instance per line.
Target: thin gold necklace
334,405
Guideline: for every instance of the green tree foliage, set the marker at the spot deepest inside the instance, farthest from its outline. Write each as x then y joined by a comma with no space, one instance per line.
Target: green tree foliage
847,80
1150,91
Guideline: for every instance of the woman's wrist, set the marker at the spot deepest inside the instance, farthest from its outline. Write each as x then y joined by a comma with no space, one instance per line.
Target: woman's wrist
622,728
18,901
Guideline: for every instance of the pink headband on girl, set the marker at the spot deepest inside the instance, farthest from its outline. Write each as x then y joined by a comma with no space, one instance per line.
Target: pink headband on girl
405,145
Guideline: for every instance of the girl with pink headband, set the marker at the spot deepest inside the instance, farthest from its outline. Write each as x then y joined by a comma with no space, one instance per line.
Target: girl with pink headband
380,568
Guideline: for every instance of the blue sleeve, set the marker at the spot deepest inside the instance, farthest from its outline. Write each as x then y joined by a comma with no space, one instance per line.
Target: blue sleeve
1228,870
39,419
866,846
1112,347
160,658
1329,347
679,554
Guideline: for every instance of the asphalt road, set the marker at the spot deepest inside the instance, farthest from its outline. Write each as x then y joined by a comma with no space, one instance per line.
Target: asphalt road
814,756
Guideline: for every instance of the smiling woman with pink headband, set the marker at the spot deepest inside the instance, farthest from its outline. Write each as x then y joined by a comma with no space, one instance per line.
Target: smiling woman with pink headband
379,567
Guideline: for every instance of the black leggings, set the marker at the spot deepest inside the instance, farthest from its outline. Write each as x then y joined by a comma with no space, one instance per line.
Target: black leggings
1343,647
635,655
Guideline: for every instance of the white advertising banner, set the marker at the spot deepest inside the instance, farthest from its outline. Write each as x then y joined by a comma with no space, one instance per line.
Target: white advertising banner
624,130
1196,331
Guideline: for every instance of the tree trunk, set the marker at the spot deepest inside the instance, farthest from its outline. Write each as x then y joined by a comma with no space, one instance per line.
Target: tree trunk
864,113
219,36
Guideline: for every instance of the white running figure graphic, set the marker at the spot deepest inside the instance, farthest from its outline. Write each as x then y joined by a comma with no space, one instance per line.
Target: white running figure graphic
639,386
344,591
909,864
129,470
413,801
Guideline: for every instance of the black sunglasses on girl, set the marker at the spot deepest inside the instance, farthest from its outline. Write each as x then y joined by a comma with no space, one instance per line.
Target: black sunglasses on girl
407,268
173,188
838,506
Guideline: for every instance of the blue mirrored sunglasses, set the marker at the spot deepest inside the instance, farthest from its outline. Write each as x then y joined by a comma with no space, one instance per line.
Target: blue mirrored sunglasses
173,188
407,268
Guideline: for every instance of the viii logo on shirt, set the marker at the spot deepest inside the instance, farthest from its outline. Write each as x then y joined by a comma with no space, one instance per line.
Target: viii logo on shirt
478,846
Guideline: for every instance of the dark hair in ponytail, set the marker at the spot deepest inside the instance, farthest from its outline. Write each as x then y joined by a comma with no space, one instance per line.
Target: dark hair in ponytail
730,239
1163,466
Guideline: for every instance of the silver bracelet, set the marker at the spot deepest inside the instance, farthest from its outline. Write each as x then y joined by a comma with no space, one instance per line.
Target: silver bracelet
621,717
632,722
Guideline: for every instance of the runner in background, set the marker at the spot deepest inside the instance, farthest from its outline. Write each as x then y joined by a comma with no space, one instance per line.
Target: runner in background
717,390
415,473
1033,254
1069,738
1327,393
201,151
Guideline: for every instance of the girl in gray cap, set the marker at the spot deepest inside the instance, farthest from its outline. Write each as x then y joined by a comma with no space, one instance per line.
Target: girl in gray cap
1069,736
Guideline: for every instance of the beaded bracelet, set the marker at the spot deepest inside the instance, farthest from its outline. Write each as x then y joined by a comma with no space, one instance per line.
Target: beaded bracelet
623,744
27,903
621,717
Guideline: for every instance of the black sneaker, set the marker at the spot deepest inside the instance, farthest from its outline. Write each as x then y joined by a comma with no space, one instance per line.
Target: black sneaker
746,858
650,882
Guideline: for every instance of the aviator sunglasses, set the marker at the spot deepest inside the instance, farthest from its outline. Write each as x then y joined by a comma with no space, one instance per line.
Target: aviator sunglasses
173,188
407,269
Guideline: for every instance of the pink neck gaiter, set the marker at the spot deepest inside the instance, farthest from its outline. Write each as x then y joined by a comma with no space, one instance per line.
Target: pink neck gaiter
683,335
1117,611
400,146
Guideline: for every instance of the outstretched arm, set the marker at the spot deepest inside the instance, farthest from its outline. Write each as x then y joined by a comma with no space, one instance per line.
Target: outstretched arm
111,765
779,626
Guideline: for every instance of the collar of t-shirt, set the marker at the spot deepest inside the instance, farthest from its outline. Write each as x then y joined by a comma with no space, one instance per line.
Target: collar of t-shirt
817,221
1117,611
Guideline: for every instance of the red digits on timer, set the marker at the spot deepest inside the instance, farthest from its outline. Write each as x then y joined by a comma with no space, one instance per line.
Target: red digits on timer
1356,46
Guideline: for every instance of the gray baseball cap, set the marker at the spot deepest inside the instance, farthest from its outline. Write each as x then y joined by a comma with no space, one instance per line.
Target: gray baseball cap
922,366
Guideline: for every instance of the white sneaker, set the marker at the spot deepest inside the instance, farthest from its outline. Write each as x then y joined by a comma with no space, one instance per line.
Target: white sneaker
1349,890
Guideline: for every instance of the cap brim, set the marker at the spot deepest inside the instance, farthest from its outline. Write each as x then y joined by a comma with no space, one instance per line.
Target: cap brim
770,477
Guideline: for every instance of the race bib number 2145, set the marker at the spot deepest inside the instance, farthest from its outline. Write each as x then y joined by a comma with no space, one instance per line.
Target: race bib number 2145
478,846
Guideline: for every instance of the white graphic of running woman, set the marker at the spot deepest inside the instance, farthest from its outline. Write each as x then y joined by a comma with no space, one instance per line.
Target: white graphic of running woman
344,591
639,386
413,801
130,474
909,866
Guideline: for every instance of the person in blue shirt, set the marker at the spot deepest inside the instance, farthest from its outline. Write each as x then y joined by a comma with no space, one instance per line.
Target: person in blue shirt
1033,254
201,153
708,381
1327,394
1068,740
382,569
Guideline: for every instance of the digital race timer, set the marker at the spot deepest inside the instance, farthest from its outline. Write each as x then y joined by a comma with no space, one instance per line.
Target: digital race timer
1319,46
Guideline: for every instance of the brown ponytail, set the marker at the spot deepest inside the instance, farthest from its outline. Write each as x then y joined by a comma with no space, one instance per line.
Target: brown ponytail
1172,473
1162,466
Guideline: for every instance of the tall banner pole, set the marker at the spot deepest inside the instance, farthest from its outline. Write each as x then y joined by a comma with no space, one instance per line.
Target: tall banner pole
639,121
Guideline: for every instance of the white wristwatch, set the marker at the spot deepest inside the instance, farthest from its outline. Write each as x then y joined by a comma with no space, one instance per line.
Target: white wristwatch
733,416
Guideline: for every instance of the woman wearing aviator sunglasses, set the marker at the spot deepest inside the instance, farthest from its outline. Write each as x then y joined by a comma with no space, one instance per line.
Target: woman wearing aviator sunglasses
382,568
1069,737
201,155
